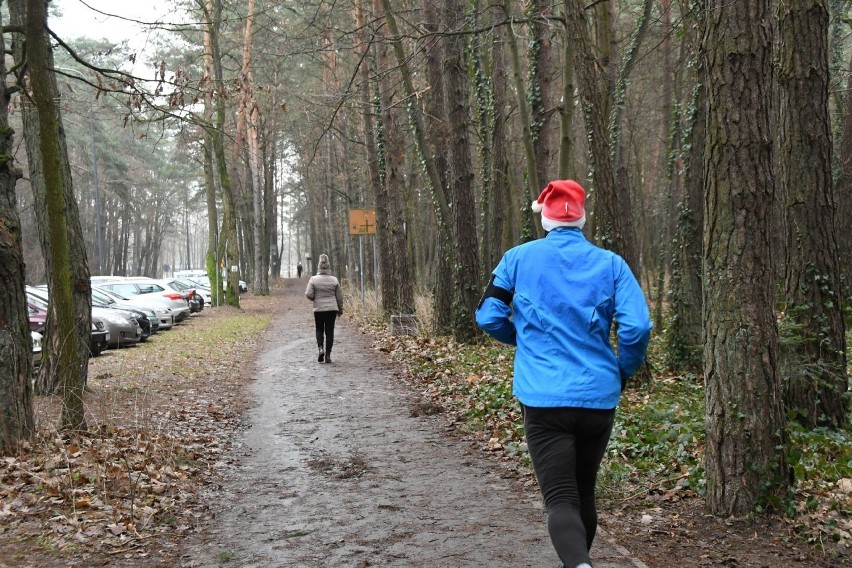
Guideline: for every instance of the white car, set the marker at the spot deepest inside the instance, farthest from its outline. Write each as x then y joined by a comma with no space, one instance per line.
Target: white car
195,293
160,306
156,312
138,287
203,291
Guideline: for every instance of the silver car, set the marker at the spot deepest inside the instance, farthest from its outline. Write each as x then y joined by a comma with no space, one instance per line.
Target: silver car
123,328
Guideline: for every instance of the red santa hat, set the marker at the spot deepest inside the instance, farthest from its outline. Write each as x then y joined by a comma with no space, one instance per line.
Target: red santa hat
561,204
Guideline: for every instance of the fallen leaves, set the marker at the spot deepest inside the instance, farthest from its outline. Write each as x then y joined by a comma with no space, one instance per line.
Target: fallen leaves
156,436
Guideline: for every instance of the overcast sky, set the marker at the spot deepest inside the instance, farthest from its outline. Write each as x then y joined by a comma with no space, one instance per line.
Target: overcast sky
114,20
99,19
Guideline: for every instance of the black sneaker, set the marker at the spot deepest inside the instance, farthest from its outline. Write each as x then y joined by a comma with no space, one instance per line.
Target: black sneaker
321,356
328,359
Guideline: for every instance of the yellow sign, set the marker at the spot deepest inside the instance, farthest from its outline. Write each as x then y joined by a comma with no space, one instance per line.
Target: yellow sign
362,221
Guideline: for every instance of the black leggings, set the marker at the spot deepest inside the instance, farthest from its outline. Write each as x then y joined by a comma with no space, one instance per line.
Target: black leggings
325,328
566,446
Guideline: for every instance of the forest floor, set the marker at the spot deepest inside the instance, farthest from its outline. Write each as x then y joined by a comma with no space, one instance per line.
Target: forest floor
225,443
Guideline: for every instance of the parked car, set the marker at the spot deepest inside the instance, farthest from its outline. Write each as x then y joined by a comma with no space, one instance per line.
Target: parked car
99,338
123,328
136,287
147,318
195,295
36,338
204,291
158,305
201,277
37,311
37,314
139,315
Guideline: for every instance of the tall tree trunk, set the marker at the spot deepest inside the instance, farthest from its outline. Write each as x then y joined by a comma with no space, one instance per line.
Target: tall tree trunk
531,223
228,251
685,332
211,261
442,298
613,217
540,86
745,462
814,351
843,191
49,378
505,209
272,256
426,152
16,405
367,111
397,291
619,146
252,120
567,168
457,98
60,285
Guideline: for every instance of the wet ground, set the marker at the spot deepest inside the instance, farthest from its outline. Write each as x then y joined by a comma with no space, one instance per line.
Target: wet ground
334,470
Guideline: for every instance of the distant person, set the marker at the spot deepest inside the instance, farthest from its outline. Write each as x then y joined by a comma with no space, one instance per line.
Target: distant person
299,269
556,299
325,292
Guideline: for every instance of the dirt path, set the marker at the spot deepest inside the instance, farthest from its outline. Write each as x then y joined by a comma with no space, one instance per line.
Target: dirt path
335,471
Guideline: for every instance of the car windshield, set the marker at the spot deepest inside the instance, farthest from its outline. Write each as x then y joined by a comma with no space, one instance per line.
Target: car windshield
110,293
98,296
123,289
148,288
189,282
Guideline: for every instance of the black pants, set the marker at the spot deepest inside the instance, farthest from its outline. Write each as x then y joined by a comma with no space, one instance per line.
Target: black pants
325,329
566,446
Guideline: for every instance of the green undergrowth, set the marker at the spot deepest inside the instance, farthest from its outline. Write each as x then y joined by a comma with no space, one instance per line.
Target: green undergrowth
657,448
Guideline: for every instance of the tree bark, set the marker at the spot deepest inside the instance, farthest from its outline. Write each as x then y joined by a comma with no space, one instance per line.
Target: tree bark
16,406
613,217
685,331
814,350
745,462
49,380
397,291
60,285
252,119
457,98
502,206
844,186
228,252
540,87
435,130
531,223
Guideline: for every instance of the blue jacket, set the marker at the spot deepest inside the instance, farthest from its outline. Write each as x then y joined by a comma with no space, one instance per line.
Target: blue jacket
565,294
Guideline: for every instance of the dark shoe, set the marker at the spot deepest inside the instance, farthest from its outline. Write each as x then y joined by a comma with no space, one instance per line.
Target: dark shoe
328,359
321,356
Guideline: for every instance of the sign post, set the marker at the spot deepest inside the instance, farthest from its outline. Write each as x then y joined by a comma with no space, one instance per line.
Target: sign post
363,222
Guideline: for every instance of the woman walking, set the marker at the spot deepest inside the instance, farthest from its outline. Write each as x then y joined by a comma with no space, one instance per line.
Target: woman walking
325,292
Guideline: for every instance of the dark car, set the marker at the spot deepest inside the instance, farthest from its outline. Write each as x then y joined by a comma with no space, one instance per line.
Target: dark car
37,312
99,338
